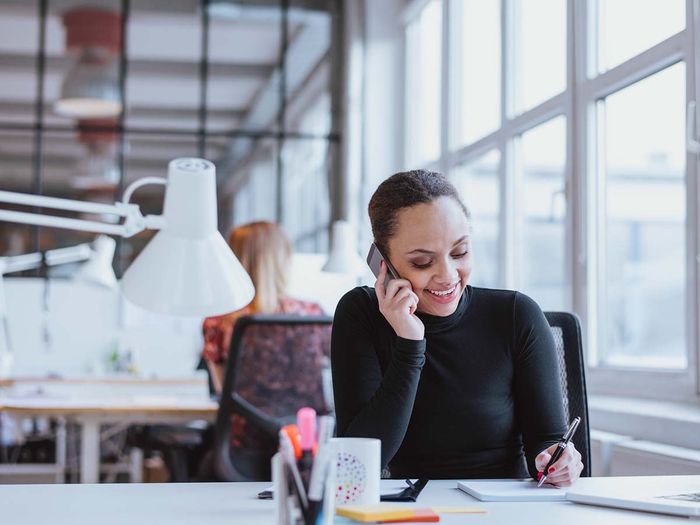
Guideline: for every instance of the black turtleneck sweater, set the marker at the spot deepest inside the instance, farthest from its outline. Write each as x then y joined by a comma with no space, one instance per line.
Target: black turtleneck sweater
479,397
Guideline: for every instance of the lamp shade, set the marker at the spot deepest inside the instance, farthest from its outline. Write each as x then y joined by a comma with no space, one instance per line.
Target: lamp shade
91,88
98,269
187,268
343,257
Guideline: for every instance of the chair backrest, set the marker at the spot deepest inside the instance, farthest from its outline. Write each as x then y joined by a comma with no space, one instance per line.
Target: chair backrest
566,330
275,366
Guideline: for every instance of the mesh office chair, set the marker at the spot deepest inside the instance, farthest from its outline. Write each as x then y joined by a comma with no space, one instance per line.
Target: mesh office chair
567,337
276,365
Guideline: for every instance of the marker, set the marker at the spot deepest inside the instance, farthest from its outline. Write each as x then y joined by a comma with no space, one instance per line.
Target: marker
306,422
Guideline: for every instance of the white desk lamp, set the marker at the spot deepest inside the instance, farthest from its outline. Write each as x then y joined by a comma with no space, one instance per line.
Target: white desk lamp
187,268
97,270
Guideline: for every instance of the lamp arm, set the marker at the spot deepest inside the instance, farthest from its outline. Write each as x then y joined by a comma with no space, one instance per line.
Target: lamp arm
131,188
152,222
134,221
31,261
67,223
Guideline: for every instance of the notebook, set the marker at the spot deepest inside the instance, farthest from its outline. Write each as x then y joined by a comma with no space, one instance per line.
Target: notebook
510,490
677,495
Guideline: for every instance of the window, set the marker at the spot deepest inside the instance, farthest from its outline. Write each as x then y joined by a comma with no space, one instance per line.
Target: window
643,24
644,230
479,187
306,180
423,75
539,51
542,201
476,89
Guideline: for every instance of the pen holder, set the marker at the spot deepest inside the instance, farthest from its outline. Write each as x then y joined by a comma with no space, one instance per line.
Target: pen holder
289,503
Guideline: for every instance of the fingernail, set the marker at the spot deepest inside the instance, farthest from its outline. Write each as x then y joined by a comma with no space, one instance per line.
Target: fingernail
551,469
539,476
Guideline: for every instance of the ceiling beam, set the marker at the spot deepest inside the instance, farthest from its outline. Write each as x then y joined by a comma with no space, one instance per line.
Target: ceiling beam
174,69
14,109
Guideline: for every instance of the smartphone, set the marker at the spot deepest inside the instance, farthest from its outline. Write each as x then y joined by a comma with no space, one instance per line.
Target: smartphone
374,258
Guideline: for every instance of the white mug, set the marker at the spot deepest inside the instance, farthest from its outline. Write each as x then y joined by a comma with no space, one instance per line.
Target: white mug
357,470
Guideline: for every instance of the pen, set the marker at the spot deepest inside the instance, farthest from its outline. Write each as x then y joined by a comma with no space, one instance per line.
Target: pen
323,457
288,455
561,446
319,472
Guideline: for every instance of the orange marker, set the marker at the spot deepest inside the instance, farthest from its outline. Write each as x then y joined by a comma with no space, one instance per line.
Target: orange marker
292,432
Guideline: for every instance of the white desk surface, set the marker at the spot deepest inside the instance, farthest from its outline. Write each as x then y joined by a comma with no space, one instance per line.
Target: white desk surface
235,503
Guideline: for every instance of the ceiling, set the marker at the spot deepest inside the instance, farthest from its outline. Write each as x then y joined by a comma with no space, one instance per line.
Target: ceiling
162,88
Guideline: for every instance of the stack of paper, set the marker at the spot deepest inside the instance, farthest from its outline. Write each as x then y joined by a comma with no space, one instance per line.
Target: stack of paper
511,490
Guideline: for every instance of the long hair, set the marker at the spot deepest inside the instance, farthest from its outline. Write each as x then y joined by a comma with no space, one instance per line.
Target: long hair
265,252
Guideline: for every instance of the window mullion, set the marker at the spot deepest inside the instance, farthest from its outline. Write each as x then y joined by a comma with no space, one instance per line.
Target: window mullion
507,259
575,274
445,91
693,202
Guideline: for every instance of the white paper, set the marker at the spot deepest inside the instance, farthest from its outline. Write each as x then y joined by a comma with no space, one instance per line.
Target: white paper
511,490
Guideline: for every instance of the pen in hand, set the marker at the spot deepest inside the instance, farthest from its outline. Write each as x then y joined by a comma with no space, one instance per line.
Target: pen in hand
561,446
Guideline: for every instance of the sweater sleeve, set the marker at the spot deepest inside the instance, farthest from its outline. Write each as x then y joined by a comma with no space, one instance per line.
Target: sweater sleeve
370,403
537,384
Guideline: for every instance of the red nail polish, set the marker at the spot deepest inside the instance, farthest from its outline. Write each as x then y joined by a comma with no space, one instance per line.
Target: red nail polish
551,469
539,476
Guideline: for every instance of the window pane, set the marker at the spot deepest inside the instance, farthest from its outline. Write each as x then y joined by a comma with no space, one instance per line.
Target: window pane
162,84
305,179
18,49
644,300
542,200
628,27
244,44
16,174
476,85
423,75
256,198
479,186
540,51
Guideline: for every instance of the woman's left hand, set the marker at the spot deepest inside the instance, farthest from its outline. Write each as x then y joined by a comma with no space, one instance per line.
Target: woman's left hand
565,471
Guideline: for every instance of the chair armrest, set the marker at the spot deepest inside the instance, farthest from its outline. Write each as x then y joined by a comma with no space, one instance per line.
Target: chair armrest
268,424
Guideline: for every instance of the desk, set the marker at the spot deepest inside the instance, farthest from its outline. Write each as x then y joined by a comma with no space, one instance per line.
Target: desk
235,503
89,414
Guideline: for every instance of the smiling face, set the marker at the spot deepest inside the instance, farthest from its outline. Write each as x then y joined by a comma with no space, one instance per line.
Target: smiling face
431,248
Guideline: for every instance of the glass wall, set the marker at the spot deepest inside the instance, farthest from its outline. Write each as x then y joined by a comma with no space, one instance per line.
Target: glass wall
246,86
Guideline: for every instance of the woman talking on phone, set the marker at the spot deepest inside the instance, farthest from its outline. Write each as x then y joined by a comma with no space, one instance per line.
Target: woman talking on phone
456,381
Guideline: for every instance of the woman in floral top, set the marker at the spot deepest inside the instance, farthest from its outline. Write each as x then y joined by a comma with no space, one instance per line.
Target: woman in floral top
265,252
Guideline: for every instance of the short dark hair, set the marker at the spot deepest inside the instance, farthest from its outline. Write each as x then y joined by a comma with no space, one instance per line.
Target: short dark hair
403,190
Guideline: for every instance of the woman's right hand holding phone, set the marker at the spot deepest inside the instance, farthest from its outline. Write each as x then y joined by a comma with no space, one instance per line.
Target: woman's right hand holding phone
398,304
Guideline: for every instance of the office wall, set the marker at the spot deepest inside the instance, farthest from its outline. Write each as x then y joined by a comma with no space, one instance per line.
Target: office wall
84,325
81,327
